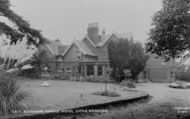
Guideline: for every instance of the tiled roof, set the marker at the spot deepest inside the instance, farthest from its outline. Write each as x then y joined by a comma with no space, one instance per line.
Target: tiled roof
61,49
104,40
56,48
107,37
84,48
155,62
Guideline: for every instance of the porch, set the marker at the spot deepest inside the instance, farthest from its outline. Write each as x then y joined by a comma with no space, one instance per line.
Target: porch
84,69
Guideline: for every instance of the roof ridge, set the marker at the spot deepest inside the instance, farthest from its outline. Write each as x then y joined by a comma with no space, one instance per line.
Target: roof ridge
77,43
89,40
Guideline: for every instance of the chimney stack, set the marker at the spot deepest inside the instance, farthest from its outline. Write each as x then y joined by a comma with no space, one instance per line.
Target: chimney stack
92,32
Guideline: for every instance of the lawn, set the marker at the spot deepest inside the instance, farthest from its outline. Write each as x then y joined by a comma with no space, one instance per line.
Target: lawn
69,94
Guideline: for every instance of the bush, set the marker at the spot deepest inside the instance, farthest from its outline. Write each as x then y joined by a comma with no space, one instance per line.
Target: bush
31,73
108,93
10,95
128,83
61,77
180,85
98,79
183,76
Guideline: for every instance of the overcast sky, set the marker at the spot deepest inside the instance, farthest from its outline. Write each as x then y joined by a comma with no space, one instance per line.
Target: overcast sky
69,19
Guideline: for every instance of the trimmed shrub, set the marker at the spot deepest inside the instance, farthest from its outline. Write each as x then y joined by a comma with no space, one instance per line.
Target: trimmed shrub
183,73
98,79
128,83
107,93
61,77
31,73
183,76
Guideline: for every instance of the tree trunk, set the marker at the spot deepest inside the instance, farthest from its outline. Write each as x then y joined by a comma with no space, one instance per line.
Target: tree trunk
172,70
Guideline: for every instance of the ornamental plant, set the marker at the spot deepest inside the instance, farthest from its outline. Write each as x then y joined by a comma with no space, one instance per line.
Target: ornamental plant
16,57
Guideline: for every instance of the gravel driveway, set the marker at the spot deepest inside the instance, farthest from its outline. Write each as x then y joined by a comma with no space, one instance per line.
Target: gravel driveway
161,106
162,93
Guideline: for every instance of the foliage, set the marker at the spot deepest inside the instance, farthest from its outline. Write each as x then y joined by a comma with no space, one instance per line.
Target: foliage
37,61
18,44
128,83
92,79
21,28
33,73
10,94
180,85
127,54
108,72
64,77
183,76
107,93
17,54
169,36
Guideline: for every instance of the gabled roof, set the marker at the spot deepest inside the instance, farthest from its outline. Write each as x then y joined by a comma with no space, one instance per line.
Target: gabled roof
86,37
83,48
104,40
61,49
55,47
107,37
155,62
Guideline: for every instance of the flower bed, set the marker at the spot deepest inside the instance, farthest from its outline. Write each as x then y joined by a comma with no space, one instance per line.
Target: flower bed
180,85
108,93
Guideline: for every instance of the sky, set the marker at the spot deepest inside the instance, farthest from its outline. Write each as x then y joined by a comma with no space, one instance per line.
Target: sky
68,19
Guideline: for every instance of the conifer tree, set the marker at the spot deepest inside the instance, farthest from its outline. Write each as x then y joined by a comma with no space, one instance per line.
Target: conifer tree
22,27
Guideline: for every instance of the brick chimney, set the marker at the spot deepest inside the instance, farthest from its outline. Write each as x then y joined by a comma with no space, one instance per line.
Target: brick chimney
92,33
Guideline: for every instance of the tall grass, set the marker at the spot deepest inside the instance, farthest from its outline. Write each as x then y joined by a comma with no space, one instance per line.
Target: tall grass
11,95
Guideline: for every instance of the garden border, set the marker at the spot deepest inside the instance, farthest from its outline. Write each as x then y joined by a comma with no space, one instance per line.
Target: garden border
103,106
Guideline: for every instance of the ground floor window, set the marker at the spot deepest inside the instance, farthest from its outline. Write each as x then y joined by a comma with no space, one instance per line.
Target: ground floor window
60,67
79,69
1,61
145,74
68,70
90,70
172,74
100,70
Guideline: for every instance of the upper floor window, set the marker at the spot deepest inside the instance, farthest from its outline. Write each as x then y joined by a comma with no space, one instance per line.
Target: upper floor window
78,55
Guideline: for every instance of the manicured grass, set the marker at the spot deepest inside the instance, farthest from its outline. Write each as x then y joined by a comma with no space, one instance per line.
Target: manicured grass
69,94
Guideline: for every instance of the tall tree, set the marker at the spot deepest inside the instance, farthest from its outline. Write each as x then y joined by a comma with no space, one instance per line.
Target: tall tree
169,37
127,54
22,27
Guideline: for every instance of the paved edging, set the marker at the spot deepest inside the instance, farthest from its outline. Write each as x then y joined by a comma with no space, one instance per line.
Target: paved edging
90,106
111,103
